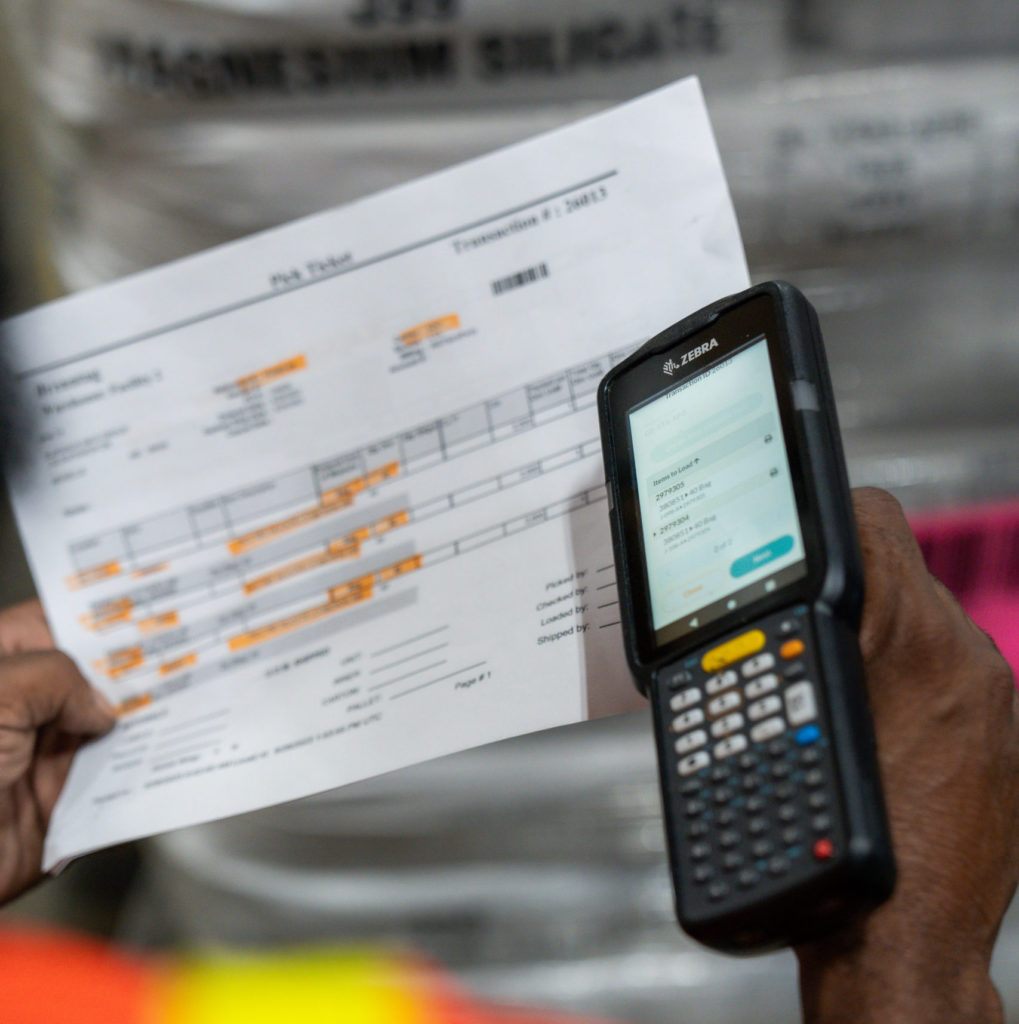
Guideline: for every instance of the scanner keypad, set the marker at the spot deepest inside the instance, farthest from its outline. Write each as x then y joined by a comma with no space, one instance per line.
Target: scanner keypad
751,762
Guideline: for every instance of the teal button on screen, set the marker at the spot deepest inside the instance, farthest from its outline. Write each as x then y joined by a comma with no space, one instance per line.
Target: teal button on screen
763,555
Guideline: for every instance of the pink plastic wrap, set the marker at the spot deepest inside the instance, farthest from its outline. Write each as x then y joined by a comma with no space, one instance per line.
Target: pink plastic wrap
974,551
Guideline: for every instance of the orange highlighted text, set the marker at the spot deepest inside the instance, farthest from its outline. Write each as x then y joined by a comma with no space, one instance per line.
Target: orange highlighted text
142,700
109,614
96,574
157,623
185,661
429,329
271,374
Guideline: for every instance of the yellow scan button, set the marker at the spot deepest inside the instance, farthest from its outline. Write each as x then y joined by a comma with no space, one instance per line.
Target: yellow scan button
736,649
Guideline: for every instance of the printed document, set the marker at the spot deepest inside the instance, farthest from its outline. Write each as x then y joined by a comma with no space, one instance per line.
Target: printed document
329,501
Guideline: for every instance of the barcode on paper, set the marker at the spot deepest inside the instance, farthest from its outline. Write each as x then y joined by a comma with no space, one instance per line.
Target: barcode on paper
519,279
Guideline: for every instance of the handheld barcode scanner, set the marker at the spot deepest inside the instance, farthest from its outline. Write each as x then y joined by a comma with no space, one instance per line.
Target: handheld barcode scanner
740,591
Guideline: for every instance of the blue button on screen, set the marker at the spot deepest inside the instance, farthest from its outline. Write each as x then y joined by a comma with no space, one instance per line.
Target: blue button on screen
762,556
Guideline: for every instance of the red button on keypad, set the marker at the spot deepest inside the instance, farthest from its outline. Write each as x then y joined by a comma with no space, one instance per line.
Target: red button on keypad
823,849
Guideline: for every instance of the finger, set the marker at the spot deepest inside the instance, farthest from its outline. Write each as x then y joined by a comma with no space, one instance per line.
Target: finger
891,545
54,752
46,686
883,529
23,627
896,579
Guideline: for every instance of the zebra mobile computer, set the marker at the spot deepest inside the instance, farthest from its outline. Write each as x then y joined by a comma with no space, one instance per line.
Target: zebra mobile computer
740,591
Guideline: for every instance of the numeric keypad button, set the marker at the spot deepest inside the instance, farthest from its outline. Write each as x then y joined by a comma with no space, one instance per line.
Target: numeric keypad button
728,839
718,891
720,681
691,741
685,699
732,861
779,747
730,746
728,701
727,725
767,729
762,848
757,664
778,866
784,791
687,720
760,686
764,708
751,783
694,762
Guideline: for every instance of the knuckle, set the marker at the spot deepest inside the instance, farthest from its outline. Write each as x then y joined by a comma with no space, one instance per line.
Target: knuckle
875,506
59,663
11,716
877,499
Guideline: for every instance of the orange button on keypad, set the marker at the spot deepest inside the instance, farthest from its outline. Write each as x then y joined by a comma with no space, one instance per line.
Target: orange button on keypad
791,648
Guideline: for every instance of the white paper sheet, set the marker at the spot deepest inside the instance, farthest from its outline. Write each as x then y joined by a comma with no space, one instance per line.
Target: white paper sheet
329,501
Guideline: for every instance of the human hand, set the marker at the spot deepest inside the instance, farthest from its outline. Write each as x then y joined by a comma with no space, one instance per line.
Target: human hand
23,627
47,709
946,717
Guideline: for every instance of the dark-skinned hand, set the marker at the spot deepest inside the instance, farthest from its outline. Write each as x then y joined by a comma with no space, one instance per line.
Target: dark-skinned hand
47,710
946,716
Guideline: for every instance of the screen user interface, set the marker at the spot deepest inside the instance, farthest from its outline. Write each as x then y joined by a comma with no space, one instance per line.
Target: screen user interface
717,509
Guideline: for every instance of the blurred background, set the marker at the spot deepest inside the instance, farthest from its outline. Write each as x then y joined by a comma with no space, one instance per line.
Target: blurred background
872,150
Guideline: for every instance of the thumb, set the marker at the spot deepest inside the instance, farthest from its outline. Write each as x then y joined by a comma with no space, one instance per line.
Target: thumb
44,687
